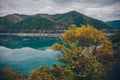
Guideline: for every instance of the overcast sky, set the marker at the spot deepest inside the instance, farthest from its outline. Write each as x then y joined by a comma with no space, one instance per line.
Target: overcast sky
105,10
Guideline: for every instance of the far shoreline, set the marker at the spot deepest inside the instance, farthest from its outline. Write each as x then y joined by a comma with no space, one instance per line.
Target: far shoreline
32,34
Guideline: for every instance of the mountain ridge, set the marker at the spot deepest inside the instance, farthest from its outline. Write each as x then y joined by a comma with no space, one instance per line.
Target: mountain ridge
35,23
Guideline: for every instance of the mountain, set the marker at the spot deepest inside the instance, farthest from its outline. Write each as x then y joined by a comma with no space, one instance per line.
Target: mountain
35,23
8,23
115,23
74,17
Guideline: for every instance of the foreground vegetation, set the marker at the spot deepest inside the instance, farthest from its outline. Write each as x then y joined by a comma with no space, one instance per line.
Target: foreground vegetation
86,55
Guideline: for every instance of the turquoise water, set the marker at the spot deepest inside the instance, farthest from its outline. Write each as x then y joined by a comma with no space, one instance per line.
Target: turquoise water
27,53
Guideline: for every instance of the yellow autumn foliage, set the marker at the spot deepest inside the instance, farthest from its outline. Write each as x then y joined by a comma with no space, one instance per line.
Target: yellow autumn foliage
85,36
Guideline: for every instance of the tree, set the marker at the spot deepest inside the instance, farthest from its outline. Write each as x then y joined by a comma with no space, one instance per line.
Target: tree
83,51
62,73
42,73
85,36
9,74
115,38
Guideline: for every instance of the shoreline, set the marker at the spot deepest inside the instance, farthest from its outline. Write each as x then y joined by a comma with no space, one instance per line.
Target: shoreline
33,34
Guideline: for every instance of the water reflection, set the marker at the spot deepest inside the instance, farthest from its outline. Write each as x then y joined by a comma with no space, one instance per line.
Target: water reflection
27,53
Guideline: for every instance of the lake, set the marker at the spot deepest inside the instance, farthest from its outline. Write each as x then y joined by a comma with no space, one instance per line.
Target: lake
27,53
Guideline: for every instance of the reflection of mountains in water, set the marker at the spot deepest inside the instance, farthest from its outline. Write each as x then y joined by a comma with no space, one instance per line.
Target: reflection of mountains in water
33,42
26,59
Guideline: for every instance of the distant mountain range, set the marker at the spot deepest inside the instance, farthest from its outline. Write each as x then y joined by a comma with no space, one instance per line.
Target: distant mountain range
38,22
115,23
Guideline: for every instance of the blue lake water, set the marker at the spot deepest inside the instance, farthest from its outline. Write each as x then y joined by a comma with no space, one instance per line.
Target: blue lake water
27,53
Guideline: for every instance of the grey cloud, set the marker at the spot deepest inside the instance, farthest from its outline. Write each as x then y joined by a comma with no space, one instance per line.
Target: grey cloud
87,1
92,8
100,9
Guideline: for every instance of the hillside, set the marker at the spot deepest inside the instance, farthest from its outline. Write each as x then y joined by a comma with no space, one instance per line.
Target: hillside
115,23
74,17
8,23
35,23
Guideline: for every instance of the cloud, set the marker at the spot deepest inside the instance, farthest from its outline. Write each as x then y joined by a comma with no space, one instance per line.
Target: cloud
100,9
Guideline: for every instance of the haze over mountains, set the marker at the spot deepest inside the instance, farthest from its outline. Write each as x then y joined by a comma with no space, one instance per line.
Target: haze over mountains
34,23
